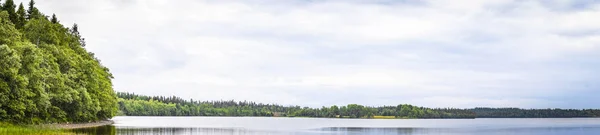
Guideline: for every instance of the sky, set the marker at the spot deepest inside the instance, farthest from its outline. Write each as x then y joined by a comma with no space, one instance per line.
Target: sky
432,53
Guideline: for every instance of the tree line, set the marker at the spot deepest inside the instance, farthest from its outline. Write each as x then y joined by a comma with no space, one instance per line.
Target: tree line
139,105
534,113
46,74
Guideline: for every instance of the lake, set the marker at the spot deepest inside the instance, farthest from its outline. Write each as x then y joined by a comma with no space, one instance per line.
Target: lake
129,125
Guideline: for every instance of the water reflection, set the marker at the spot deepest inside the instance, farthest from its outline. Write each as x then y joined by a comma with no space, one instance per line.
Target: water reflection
112,130
191,131
379,131
103,130
467,131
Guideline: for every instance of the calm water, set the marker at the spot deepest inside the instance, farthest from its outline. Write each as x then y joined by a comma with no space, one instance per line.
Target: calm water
322,126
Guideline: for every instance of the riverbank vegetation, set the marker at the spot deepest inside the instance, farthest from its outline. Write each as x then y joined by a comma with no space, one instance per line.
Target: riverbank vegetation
47,75
6,128
140,105
534,113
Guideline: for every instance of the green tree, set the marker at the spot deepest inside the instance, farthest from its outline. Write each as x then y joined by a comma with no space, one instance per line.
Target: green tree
33,12
9,6
9,109
54,19
8,33
47,76
21,17
75,32
335,109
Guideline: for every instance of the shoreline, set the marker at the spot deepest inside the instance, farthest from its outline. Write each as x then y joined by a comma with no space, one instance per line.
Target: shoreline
68,126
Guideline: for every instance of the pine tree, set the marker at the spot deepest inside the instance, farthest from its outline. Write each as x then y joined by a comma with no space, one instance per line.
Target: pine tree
9,6
31,7
32,11
75,32
54,19
21,17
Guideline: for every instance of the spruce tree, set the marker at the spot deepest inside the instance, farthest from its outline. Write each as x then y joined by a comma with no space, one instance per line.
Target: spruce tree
32,11
54,19
21,17
9,6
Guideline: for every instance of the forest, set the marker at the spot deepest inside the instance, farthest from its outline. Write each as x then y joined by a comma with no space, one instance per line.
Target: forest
140,105
47,75
534,113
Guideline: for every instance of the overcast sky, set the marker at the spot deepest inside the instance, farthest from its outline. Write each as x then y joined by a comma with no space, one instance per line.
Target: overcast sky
434,53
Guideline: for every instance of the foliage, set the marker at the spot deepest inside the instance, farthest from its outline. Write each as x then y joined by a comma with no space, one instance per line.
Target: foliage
47,76
33,12
534,113
139,105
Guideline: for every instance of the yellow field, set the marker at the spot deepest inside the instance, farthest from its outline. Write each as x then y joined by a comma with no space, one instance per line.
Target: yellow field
384,117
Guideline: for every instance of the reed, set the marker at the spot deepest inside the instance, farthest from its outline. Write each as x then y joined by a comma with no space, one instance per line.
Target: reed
10,129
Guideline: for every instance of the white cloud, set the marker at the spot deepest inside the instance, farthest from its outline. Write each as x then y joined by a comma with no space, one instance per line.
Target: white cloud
432,53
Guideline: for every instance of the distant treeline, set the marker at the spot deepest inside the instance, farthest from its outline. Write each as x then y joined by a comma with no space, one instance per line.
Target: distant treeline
139,105
534,113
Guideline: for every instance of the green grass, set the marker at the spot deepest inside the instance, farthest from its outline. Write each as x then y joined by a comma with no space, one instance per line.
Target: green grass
10,129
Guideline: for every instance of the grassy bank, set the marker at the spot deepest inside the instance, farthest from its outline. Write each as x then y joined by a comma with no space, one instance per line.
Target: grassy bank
10,129
48,129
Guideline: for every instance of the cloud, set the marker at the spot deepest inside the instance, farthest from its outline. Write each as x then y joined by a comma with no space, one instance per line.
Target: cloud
434,53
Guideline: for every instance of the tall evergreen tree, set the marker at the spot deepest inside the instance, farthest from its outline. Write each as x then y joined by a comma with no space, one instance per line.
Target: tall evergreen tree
75,32
31,7
9,6
54,19
33,12
21,15
75,29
